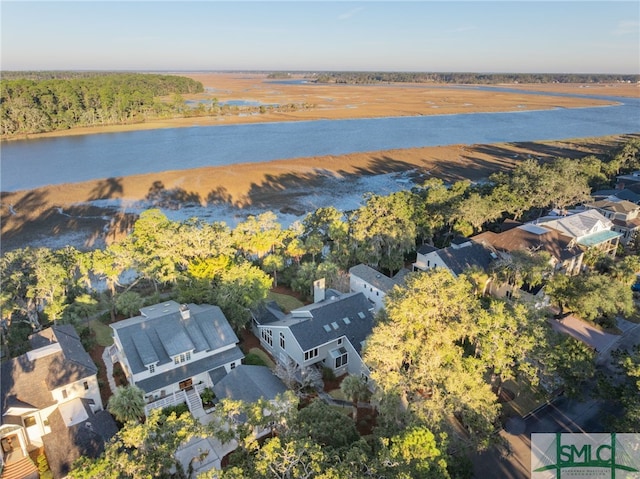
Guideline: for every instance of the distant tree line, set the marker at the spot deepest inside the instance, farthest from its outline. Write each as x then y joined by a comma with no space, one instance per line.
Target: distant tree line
48,101
470,78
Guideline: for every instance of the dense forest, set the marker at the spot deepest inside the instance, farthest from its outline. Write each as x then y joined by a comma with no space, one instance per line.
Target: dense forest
37,102
438,368
470,78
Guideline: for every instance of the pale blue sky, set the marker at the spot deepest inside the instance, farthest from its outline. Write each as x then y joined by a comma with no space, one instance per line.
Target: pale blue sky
476,36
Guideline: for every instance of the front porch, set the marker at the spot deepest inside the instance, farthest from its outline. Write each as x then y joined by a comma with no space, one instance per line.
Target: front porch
190,396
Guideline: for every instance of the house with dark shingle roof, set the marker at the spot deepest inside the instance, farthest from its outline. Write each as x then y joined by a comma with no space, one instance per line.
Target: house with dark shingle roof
249,384
457,258
330,332
170,350
56,378
373,284
566,255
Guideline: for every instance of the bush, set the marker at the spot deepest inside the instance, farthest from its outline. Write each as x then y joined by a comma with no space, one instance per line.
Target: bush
208,396
179,409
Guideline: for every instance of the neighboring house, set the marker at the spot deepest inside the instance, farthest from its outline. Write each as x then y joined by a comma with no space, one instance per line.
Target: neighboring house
621,194
629,180
172,351
87,437
590,229
566,256
328,333
45,394
463,254
622,213
373,284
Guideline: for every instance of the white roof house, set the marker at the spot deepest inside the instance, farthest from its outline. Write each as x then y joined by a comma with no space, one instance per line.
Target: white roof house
172,349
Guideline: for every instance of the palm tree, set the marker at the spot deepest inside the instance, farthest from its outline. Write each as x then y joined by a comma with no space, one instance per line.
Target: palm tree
127,404
355,389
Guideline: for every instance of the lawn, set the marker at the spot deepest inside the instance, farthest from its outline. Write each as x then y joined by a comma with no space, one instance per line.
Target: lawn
264,356
338,394
102,332
286,302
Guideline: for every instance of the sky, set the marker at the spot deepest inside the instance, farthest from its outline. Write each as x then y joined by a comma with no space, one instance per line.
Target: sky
454,36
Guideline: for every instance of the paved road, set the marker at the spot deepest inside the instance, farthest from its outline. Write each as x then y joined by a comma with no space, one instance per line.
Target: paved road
562,415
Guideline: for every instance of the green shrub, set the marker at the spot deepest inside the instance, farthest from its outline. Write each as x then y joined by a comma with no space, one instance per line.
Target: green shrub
207,395
179,409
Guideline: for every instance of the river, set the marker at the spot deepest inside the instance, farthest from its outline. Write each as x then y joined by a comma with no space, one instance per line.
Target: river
27,164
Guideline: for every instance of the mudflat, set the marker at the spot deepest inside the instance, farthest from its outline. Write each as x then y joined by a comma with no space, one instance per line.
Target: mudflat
59,210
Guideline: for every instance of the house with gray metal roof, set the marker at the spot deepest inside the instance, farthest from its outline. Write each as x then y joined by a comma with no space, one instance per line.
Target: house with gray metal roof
373,284
589,228
56,377
173,351
330,332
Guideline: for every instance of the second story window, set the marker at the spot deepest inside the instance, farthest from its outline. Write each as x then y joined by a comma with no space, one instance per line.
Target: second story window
282,341
181,358
267,335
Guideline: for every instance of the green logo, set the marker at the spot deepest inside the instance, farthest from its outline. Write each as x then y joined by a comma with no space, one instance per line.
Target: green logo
585,455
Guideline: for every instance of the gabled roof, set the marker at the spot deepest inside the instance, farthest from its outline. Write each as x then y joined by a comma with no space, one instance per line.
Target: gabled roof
531,238
268,312
249,383
377,279
460,258
58,359
347,315
616,206
164,331
426,249
63,445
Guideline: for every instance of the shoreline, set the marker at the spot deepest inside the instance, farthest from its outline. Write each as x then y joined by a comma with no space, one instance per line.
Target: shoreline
343,102
91,214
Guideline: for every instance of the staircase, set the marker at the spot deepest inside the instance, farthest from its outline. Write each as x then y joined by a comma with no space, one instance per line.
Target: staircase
194,402
22,469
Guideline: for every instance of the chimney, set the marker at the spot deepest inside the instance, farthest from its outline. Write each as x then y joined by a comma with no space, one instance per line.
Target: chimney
318,290
184,311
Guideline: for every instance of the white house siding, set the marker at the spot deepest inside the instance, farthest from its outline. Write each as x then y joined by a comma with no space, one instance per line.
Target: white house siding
35,432
77,390
429,261
373,294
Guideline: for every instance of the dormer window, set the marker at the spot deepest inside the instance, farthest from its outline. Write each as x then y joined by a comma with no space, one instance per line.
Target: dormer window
181,358
152,368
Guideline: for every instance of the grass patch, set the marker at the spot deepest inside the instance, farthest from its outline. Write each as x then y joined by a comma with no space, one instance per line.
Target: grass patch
338,394
102,332
253,359
259,353
286,302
